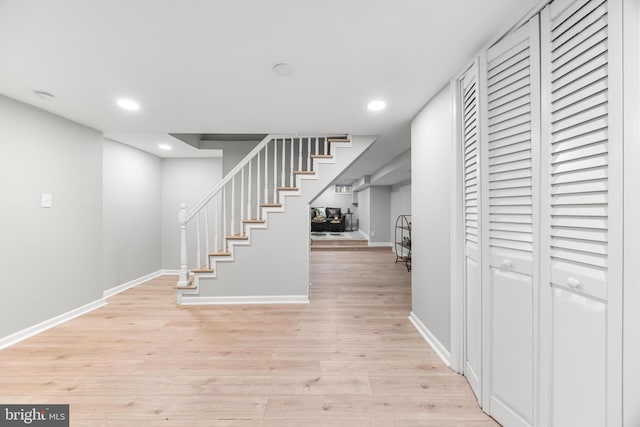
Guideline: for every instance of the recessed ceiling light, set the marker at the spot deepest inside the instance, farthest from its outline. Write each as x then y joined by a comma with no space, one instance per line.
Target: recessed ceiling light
165,147
43,95
376,105
128,104
283,69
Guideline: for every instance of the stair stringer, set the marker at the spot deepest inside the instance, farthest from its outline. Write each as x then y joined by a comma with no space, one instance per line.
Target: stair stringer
273,265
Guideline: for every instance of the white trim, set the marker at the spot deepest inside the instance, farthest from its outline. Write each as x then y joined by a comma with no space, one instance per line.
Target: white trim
16,337
364,234
264,299
631,325
169,272
381,244
431,339
456,269
135,282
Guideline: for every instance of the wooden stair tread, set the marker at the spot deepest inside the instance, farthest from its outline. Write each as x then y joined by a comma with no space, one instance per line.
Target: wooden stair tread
322,156
190,286
202,270
304,172
339,140
271,205
288,188
253,221
220,254
237,237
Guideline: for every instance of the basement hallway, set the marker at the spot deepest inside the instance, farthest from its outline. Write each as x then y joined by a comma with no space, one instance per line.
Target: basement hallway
349,358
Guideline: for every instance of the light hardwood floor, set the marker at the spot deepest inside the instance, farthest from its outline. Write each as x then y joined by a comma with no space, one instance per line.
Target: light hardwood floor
349,358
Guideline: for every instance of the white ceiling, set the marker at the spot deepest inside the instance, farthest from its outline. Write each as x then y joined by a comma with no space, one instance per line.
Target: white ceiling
204,66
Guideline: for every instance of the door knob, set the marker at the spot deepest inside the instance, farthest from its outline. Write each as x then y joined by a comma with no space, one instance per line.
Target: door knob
573,283
506,263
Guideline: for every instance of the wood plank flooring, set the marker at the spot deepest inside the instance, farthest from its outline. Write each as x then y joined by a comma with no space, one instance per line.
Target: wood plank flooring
349,358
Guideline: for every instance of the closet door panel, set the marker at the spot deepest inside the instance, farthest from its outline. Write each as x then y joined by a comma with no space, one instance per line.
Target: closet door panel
580,201
512,359
510,204
472,233
579,343
473,326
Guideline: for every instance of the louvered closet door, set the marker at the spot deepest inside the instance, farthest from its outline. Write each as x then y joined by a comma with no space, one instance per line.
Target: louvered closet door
511,130
577,202
471,182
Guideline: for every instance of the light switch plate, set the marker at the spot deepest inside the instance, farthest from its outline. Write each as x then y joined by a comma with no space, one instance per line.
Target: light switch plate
46,200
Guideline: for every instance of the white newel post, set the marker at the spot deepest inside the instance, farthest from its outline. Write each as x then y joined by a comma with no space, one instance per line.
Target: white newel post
183,278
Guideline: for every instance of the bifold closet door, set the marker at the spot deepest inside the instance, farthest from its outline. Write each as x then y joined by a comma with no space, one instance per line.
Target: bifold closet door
472,274
511,129
581,200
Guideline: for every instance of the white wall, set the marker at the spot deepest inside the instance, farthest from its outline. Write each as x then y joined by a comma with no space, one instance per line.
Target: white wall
379,211
431,160
400,205
50,258
131,213
183,181
364,211
232,151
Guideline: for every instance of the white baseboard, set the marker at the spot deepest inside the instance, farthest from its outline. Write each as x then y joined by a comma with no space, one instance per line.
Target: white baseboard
16,337
169,272
266,299
135,282
431,339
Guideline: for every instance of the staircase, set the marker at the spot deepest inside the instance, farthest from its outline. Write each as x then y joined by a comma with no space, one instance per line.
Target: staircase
247,241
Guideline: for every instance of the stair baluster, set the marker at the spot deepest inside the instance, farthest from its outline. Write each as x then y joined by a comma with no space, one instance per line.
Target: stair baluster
284,162
241,200
258,210
249,192
291,184
198,247
299,160
206,235
275,169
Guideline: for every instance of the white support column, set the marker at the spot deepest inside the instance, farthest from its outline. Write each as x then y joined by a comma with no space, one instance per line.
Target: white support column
183,277
326,146
317,146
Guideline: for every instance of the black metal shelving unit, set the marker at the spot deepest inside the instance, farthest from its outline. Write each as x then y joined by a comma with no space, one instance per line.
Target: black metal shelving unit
403,240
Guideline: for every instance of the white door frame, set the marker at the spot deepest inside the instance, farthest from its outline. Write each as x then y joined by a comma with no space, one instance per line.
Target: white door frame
631,290
457,232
